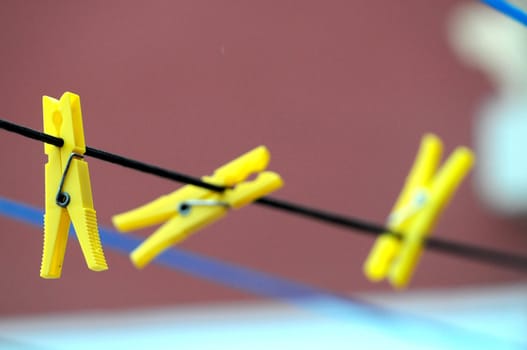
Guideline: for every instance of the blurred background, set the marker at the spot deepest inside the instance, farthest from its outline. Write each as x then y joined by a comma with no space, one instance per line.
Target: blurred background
340,92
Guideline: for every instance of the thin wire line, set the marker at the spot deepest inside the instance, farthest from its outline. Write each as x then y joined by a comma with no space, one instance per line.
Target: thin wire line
110,157
32,134
151,169
473,252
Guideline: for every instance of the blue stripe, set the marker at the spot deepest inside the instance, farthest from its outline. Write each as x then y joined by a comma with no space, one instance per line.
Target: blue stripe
508,9
231,275
414,330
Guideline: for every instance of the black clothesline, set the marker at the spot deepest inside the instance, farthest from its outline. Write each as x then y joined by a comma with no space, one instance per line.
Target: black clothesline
468,251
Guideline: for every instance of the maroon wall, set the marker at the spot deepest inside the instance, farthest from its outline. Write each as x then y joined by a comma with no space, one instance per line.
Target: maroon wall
340,91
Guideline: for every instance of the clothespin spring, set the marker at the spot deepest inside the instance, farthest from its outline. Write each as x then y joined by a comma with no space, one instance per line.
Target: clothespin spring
63,198
420,198
184,208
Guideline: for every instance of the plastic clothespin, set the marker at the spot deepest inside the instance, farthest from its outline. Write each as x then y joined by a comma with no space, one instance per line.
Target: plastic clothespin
424,196
192,208
68,189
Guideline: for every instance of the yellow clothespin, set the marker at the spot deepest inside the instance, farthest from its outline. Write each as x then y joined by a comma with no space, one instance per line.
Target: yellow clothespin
423,198
68,189
192,208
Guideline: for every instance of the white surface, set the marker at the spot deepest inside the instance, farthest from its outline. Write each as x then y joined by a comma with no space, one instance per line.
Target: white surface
494,318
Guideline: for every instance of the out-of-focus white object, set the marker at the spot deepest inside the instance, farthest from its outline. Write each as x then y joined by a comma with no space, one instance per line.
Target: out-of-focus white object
497,45
481,318
501,135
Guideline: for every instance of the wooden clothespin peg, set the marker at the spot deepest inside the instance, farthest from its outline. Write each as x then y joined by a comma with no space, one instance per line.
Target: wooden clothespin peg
424,196
68,189
191,208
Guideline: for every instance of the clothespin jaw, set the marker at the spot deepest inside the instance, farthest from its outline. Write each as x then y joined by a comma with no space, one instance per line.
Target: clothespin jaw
424,196
191,208
68,189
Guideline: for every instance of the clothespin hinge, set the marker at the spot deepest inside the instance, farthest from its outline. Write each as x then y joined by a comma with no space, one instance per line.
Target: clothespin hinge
184,208
63,198
420,198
